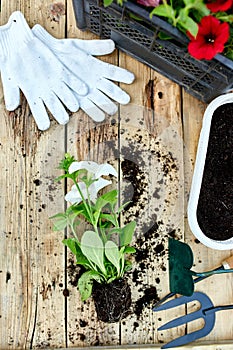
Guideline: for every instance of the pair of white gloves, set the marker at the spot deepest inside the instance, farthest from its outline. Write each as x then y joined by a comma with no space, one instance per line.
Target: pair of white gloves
58,72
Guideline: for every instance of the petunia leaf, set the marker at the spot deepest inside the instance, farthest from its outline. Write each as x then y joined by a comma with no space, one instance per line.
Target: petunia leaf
108,217
74,247
126,233
107,2
164,11
60,221
85,283
72,244
129,250
107,198
92,247
112,254
187,23
197,5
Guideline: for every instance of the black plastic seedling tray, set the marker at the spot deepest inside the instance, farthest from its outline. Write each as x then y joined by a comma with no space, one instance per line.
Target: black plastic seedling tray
139,38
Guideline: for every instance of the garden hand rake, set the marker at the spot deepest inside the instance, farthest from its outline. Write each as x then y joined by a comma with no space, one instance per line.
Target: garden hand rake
178,265
206,311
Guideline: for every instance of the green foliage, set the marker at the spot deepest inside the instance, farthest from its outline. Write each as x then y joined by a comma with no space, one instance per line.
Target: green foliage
63,220
85,283
164,11
126,235
184,16
112,254
109,2
224,17
103,258
66,162
92,247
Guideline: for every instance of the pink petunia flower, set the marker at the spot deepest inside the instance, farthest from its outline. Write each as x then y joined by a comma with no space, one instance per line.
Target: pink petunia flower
149,3
210,39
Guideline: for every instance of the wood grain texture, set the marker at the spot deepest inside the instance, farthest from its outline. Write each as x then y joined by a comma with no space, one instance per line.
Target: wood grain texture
152,142
87,140
197,346
32,262
151,149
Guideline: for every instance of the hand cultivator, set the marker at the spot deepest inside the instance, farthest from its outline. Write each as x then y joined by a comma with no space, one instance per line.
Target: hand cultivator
206,311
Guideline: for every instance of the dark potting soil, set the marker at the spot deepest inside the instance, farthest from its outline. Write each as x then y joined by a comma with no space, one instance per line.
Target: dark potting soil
112,301
215,204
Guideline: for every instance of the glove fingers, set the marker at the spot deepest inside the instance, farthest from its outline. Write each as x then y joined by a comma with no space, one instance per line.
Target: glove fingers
115,73
11,93
40,114
113,91
102,101
11,97
57,109
92,110
67,96
92,47
75,84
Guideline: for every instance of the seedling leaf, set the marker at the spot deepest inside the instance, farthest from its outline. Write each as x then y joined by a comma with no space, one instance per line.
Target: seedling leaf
126,235
112,254
71,243
85,283
60,221
92,247
164,11
74,246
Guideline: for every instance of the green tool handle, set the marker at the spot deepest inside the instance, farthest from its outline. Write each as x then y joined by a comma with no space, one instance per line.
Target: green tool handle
211,272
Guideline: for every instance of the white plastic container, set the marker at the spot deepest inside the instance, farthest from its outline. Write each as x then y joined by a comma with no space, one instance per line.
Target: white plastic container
198,174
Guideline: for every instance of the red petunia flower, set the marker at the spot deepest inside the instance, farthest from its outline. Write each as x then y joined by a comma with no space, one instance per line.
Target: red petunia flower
219,5
210,40
150,3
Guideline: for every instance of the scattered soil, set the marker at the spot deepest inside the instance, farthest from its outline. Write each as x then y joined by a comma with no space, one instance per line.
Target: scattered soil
215,205
149,298
112,301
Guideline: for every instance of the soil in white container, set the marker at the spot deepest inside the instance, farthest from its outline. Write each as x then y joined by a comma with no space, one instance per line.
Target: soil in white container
215,203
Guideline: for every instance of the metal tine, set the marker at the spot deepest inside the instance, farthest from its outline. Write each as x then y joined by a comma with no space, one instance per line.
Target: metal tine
185,339
209,318
173,303
183,319
161,301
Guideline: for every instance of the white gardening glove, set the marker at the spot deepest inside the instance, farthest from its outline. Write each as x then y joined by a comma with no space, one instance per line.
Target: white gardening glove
27,64
77,54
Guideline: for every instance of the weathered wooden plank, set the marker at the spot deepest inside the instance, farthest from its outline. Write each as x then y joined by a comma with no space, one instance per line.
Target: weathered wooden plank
98,142
47,260
40,305
32,306
152,163
13,260
13,264
197,346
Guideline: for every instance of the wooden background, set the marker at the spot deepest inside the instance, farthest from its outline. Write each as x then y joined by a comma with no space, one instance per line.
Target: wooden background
153,140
